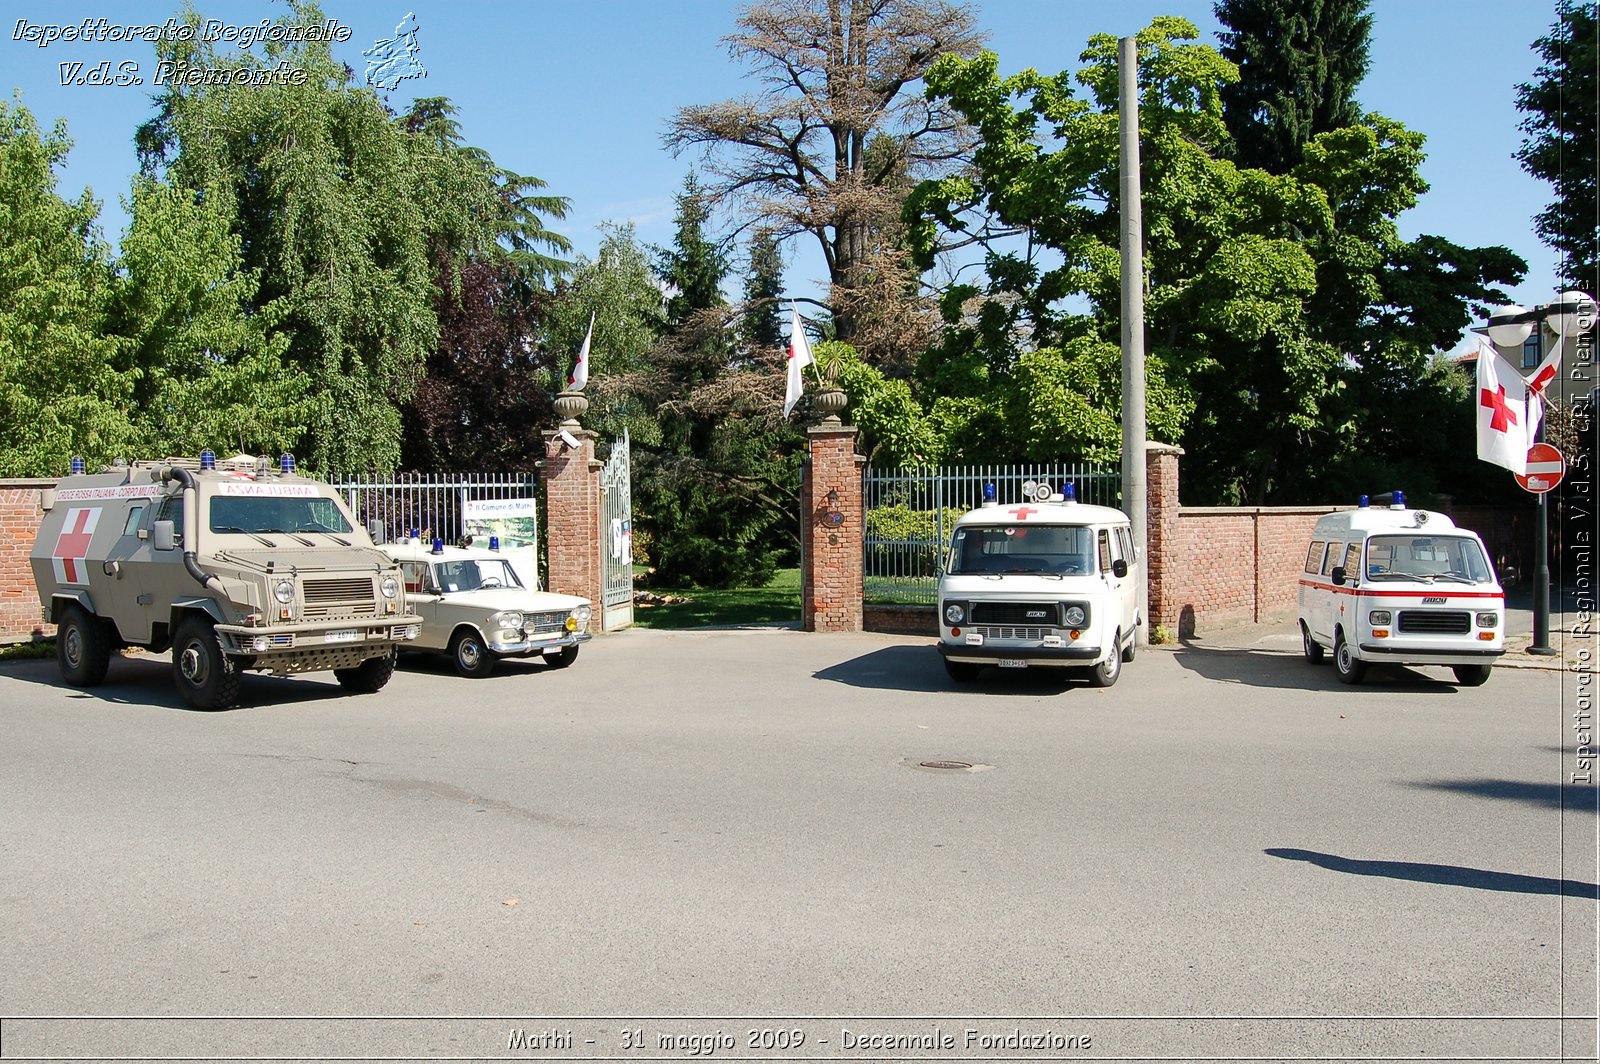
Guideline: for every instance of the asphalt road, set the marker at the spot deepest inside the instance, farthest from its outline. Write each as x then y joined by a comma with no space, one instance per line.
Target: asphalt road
715,825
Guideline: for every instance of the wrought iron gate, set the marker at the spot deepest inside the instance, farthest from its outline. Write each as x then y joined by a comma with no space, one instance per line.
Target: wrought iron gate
616,537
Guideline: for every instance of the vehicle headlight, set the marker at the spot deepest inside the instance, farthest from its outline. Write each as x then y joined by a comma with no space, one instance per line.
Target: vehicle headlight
507,619
1379,618
283,591
583,613
1075,616
1488,620
389,586
954,614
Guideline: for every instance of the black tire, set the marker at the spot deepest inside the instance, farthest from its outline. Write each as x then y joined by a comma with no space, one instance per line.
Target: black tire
1312,649
1471,675
471,654
1351,669
961,671
1106,673
560,660
368,677
83,647
205,676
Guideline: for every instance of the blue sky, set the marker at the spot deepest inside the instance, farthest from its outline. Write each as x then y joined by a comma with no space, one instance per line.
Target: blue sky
578,93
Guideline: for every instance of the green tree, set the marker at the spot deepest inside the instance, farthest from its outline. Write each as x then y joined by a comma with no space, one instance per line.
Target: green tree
761,326
336,206
207,371
1299,64
1561,139
61,390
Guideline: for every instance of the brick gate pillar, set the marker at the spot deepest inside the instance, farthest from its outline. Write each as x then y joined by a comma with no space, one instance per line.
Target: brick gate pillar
572,502
1161,527
832,531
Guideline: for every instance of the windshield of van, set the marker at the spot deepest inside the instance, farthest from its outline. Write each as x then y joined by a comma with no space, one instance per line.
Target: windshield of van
266,513
1038,549
1453,559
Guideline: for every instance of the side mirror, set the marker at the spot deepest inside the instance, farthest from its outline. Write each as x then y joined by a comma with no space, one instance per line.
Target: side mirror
378,533
1119,568
165,536
1338,575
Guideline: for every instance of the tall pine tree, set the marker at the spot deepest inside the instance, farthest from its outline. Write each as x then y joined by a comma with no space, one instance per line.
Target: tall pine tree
1299,64
1562,131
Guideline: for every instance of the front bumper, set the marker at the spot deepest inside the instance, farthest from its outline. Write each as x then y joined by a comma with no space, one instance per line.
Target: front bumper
987,654
1393,655
317,646
536,644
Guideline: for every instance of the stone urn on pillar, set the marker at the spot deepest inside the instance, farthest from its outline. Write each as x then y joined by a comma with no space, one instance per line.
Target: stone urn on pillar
570,406
830,403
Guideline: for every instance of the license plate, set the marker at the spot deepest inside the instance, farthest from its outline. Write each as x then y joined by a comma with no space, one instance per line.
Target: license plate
1012,663
343,635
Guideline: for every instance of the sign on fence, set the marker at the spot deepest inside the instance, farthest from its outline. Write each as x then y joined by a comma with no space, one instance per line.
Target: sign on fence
515,522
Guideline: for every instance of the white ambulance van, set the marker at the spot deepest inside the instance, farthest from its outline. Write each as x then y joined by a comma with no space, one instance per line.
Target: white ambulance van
1405,587
1048,583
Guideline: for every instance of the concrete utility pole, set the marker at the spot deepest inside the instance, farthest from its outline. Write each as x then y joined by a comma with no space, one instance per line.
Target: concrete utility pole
1133,427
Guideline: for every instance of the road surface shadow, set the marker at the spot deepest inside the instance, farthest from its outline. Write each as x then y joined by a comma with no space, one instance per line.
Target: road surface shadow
1578,799
918,668
1266,668
1442,875
146,680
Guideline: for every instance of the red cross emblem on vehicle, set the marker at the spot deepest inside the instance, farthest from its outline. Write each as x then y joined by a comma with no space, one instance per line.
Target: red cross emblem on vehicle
1022,513
72,546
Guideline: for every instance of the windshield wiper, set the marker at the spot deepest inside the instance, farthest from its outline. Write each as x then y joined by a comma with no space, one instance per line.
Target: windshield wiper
243,532
325,532
285,532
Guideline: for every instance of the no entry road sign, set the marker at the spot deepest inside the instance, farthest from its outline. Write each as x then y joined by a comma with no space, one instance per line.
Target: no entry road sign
1545,469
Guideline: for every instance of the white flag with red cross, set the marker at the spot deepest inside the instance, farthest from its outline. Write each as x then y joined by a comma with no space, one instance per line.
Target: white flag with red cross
1502,404
1543,375
580,368
70,557
799,358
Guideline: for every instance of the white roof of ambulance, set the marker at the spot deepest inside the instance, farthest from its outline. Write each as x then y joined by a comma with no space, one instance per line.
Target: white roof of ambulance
1381,519
1043,513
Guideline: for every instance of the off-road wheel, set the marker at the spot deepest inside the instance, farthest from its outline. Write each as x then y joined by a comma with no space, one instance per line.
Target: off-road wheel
961,671
205,676
1310,647
83,647
471,655
369,676
1351,669
562,658
1105,674
1471,675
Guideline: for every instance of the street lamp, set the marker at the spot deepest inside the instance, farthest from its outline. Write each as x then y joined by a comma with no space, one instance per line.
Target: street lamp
1572,314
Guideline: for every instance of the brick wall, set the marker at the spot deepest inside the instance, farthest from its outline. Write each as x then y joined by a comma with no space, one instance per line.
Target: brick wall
831,577
19,598
572,519
901,620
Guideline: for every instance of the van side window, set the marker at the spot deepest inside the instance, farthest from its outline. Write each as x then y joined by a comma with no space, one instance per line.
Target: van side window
1105,552
131,525
1352,560
1314,556
1335,552
1125,541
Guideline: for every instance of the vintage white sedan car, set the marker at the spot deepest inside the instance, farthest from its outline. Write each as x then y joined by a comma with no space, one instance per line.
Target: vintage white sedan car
475,608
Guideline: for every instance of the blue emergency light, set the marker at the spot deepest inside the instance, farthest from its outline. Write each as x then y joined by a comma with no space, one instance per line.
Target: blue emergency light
494,542
438,545
989,492
208,459
1068,492
1365,502
78,466
286,463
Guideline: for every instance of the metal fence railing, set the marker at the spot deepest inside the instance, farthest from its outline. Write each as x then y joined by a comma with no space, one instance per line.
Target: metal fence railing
910,512
432,503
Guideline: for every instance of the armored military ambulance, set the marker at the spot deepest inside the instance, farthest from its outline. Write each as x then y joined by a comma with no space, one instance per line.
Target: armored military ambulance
234,566
1047,583
1406,587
